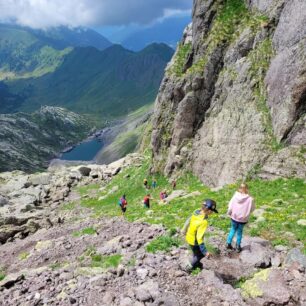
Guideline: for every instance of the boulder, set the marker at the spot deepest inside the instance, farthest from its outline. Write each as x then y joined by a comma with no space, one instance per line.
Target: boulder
40,179
295,255
176,194
256,252
268,287
147,292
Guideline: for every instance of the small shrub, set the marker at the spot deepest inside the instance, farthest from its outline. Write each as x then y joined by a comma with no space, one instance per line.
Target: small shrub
55,266
163,243
106,262
85,231
240,282
195,272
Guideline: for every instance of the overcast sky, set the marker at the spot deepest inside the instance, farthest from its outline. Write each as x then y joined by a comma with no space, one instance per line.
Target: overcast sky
48,13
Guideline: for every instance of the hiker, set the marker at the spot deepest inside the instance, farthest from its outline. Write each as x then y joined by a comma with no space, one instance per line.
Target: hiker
154,183
145,183
123,204
195,228
146,201
239,209
163,195
173,184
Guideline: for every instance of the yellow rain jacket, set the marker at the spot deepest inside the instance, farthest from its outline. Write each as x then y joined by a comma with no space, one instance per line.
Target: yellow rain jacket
196,230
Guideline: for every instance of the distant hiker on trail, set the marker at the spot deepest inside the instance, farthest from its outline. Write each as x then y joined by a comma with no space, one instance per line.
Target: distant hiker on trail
163,195
154,183
145,183
146,201
123,204
195,228
173,184
239,209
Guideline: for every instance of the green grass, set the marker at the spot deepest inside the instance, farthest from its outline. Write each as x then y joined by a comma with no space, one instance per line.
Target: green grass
2,274
105,262
68,206
163,244
196,271
260,59
285,199
85,231
232,19
178,67
240,282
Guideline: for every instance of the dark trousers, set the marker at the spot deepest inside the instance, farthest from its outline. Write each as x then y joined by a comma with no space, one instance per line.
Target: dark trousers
196,258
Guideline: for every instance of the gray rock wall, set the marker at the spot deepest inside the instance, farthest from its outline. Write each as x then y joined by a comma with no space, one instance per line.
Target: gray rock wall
233,97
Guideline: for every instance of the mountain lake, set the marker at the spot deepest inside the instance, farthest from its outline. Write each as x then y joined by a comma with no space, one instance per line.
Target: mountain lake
85,151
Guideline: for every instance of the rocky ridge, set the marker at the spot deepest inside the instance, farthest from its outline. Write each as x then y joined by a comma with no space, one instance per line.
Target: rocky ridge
30,202
232,102
29,141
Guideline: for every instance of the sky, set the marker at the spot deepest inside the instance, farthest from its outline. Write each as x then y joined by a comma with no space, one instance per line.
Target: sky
42,14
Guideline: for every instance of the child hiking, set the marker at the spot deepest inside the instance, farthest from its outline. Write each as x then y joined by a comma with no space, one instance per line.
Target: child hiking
146,201
123,204
239,209
145,183
195,228
154,183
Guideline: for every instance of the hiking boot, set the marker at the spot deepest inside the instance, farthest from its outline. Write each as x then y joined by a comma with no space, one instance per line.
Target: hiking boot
238,248
229,246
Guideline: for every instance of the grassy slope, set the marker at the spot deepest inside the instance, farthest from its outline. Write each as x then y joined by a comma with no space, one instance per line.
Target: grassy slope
284,201
112,82
129,137
24,55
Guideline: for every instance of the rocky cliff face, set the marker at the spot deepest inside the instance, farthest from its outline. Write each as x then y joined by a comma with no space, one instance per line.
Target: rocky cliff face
233,99
28,141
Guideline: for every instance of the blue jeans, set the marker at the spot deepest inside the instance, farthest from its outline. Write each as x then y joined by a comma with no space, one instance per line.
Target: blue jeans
236,227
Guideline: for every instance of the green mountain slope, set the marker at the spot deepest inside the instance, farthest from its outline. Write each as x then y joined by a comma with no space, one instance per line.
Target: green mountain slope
32,53
110,82
63,37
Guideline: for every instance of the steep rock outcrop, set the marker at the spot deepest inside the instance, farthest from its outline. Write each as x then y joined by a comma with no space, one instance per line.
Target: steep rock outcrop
232,101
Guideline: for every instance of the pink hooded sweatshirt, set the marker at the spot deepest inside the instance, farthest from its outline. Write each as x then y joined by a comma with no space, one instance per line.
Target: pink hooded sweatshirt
240,207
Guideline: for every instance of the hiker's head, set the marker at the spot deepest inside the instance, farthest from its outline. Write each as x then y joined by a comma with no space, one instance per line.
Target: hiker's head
209,206
148,195
243,188
123,196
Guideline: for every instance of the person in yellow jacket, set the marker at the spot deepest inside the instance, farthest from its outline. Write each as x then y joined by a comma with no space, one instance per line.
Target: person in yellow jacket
195,228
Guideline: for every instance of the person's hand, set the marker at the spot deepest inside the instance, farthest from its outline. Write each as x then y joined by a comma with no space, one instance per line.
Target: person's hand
207,255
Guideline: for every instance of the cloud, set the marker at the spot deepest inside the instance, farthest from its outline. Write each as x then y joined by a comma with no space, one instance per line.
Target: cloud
48,13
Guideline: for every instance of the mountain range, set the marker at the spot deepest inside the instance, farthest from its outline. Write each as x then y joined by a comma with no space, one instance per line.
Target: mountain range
55,68
168,31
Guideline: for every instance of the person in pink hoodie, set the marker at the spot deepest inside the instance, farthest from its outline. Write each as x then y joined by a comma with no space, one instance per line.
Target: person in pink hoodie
239,209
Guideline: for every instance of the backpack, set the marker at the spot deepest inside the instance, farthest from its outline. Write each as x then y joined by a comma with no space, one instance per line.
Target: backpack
122,202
